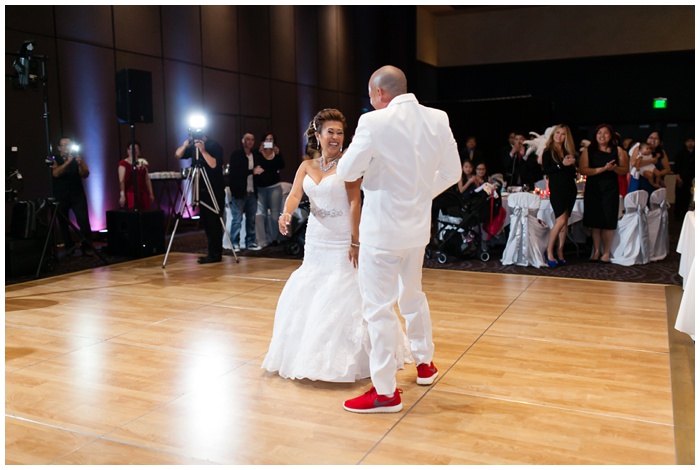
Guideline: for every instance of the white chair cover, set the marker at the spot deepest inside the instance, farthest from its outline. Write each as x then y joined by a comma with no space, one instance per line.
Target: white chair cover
630,244
527,239
657,222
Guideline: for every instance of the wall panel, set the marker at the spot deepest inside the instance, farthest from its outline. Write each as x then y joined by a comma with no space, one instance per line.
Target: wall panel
91,24
348,79
329,52
30,19
284,126
223,129
221,92
137,29
255,96
220,36
307,46
282,43
352,110
254,40
327,99
561,32
307,99
182,33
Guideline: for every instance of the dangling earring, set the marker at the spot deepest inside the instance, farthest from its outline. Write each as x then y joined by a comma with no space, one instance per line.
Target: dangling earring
341,149
318,145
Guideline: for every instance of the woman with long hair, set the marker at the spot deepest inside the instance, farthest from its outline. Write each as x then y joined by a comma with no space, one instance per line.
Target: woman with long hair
559,165
601,162
659,159
267,180
469,181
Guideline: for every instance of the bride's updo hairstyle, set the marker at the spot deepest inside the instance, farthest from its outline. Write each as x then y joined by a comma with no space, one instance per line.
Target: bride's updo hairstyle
320,120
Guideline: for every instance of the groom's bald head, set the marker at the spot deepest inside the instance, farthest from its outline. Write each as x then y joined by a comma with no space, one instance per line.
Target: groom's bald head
385,84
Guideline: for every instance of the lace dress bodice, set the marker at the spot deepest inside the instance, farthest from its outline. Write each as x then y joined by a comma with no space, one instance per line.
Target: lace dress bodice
330,209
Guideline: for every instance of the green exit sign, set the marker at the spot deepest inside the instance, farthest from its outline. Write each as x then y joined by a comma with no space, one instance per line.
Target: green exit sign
660,103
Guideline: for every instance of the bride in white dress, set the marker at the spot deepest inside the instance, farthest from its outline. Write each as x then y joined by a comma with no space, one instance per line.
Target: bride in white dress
319,333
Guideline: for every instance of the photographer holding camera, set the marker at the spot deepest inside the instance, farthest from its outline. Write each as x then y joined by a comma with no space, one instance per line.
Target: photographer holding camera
68,170
211,155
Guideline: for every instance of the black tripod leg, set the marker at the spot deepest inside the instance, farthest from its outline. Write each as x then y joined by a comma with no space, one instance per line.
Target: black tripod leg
82,237
46,242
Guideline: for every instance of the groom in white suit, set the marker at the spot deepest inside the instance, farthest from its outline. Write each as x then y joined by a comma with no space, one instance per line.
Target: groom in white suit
407,155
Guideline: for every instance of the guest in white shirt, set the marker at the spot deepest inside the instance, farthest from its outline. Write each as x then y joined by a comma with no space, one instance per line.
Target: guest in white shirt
407,155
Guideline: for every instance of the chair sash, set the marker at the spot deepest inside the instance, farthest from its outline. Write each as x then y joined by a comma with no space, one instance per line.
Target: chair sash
630,243
525,241
657,222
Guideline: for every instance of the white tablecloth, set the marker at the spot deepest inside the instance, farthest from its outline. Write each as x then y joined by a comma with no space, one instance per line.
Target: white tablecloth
685,321
546,213
686,246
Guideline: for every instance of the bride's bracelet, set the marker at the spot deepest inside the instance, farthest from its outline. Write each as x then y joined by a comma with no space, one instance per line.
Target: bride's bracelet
355,245
285,213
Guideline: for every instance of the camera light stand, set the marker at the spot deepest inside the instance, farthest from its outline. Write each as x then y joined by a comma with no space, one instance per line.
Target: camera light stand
53,205
192,185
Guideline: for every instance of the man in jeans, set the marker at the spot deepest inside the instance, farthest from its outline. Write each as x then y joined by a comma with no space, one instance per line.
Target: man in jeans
244,198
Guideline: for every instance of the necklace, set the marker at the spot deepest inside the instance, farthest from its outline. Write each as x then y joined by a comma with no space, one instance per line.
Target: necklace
330,165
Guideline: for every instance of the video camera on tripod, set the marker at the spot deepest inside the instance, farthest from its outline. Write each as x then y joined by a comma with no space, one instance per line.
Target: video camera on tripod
195,134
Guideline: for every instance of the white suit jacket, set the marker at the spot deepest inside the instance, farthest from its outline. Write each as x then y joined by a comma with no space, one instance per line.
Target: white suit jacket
407,155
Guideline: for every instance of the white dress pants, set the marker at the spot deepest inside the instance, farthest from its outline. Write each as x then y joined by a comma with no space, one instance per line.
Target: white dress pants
386,276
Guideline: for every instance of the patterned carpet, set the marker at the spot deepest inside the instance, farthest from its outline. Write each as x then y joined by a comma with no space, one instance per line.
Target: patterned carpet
194,241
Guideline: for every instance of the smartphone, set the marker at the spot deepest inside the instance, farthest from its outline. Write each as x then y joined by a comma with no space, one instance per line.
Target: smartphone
268,145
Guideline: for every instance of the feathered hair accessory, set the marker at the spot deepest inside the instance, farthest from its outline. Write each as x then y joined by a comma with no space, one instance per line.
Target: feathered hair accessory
537,143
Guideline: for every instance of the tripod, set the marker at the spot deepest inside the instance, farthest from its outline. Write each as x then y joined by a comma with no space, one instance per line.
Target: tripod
192,185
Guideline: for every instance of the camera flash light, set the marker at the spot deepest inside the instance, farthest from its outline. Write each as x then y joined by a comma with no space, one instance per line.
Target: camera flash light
198,121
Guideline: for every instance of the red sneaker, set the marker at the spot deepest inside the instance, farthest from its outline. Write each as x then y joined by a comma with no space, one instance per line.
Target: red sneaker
371,402
426,374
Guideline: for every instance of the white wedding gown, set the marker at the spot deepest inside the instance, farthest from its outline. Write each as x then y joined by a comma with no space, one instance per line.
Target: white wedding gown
319,333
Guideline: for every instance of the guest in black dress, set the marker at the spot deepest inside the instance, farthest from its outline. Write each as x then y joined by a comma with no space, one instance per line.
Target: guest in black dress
601,162
559,164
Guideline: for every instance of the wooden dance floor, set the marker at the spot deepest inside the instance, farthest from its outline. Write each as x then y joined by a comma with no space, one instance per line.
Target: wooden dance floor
135,364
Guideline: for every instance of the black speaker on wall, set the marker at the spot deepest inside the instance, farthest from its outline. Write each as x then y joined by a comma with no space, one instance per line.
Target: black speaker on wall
134,96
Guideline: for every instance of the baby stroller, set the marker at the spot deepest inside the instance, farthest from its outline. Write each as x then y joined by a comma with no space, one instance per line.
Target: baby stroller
459,225
297,229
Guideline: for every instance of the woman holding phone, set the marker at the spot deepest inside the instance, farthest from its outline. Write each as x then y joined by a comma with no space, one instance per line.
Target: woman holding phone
267,180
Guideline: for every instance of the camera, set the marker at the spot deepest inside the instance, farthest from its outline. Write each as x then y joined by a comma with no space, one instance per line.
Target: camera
196,134
268,145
